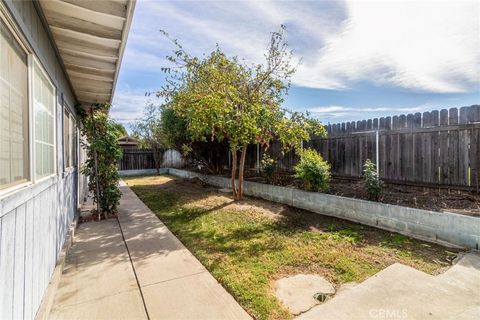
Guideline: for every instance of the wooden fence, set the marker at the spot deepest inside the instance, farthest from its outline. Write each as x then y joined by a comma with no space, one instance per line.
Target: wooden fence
440,148
136,159
436,148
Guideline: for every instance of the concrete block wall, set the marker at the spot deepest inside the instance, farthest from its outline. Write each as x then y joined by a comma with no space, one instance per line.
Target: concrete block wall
439,227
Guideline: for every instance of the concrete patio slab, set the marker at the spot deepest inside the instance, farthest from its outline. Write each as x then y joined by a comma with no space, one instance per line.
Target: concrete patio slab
401,292
95,274
94,235
125,305
98,281
197,296
173,265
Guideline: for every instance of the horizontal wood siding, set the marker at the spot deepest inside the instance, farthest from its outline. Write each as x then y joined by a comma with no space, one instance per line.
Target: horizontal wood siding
35,219
32,236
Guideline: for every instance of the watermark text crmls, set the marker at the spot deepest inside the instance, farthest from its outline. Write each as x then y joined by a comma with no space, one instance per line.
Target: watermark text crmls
386,313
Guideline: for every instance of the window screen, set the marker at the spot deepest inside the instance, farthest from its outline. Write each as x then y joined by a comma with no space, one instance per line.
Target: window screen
44,109
14,148
69,139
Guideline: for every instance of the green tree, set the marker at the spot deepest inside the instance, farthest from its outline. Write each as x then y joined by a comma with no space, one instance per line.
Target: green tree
119,129
174,128
103,151
150,132
223,98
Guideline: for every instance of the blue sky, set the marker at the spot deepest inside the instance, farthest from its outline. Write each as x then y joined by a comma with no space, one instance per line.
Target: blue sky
357,59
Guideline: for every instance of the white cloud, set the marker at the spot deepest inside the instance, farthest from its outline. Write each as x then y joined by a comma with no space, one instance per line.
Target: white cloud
424,45
429,46
332,113
128,104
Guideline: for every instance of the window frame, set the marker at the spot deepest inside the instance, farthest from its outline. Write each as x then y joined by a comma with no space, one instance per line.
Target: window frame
36,63
32,59
71,149
11,27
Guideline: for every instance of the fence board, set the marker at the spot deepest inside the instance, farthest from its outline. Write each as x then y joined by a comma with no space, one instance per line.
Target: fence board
443,148
474,151
435,137
463,145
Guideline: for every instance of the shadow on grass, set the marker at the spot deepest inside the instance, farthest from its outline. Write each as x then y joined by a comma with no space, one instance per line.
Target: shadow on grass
169,198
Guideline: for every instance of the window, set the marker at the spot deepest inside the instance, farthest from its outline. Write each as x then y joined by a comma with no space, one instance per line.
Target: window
44,115
74,141
69,139
14,146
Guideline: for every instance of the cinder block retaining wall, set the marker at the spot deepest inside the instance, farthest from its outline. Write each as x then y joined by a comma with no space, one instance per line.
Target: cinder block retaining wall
141,172
440,227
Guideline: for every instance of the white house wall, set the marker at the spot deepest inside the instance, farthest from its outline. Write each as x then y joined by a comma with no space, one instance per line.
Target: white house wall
34,220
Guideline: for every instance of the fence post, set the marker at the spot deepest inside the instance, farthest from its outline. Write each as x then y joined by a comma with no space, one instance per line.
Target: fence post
229,159
377,152
258,157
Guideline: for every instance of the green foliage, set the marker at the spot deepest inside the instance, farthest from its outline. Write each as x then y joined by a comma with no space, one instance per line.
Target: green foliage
148,129
119,129
372,182
268,166
298,127
174,128
222,98
150,132
101,134
313,170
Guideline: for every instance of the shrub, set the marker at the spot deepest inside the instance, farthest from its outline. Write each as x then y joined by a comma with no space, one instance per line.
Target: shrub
313,170
268,166
372,182
103,151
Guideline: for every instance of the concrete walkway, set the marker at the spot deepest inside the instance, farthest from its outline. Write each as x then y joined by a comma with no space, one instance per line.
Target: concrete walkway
135,268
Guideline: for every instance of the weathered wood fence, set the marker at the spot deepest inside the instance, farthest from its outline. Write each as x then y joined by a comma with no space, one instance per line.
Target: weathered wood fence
140,159
435,148
438,148
136,159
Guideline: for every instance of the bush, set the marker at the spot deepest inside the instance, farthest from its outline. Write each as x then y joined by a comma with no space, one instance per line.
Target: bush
313,170
101,135
372,182
268,166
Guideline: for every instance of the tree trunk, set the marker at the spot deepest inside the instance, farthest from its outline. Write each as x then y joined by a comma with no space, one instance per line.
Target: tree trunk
156,159
234,172
241,170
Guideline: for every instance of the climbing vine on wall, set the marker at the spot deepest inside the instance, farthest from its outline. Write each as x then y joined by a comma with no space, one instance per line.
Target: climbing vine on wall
103,151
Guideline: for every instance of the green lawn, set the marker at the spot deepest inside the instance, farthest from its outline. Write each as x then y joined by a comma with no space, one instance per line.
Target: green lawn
249,245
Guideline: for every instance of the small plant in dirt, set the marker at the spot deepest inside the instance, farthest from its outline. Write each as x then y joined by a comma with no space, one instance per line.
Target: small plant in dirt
372,182
268,166
313,170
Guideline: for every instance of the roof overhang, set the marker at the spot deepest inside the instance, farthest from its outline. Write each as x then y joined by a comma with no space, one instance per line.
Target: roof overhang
90,36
